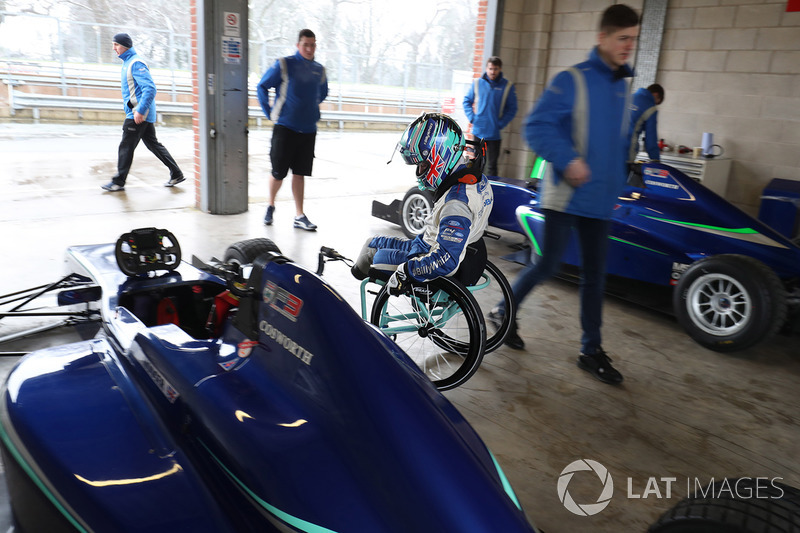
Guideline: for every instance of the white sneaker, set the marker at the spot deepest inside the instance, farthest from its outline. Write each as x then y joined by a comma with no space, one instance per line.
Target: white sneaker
302,222
112,187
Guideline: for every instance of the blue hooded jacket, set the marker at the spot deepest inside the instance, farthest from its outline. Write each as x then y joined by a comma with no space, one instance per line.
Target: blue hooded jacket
644,117
564,125
488,119
300,86
138,89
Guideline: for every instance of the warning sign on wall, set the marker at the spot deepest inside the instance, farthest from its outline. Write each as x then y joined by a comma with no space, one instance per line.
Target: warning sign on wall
232,50
231,25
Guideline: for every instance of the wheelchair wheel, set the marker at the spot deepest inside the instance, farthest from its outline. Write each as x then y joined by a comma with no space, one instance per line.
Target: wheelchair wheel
439,326
489,291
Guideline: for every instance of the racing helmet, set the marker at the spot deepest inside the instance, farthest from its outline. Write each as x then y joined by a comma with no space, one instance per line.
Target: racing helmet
434,143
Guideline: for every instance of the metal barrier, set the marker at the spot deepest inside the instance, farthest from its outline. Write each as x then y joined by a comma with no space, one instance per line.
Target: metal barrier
56,87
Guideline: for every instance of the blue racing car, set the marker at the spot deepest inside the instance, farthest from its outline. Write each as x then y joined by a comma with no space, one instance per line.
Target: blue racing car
735,281
216,402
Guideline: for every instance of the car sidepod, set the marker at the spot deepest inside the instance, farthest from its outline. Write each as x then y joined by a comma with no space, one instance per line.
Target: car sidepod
84,452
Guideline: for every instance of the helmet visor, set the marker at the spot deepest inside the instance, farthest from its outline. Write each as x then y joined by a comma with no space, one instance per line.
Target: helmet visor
410,157
409,145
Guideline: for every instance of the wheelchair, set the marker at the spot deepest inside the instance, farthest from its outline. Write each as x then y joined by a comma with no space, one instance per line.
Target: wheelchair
442,324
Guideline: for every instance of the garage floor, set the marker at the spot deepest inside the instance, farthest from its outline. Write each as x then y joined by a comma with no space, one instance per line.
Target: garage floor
683,416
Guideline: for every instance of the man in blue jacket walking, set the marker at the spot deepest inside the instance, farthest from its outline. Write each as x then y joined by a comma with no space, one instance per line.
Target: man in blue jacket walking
300,87
580,127
490,104
138,95
644,118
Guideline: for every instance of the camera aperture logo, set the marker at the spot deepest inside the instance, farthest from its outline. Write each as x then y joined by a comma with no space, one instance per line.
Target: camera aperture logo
743,488
586,509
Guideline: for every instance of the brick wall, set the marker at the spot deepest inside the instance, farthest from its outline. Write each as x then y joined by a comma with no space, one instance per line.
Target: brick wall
733,68
196,105
730,67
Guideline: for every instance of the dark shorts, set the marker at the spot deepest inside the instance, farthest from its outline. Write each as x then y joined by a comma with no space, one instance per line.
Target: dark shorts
291,150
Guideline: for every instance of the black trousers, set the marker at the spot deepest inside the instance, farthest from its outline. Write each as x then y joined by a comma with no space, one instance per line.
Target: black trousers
132,133
492,153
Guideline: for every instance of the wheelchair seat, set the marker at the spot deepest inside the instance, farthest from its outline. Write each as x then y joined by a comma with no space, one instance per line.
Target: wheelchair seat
474,263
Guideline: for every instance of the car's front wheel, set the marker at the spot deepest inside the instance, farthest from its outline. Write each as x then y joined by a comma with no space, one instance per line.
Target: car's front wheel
730,302
414,209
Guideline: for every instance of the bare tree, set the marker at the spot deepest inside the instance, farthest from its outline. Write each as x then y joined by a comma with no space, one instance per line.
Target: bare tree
359,39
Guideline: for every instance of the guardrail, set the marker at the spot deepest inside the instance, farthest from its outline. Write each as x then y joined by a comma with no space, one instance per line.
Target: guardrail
21,100
37,87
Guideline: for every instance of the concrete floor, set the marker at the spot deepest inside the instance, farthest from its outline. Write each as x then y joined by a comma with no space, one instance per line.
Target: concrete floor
683,412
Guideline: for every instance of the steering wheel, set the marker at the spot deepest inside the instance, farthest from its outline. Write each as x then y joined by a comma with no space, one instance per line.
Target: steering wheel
145,250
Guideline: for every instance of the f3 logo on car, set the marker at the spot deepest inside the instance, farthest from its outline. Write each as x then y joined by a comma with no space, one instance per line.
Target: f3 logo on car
282,301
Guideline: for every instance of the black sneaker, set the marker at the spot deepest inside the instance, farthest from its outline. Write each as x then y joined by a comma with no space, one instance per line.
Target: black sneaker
175,180
495,318
512,340
268,216
599,365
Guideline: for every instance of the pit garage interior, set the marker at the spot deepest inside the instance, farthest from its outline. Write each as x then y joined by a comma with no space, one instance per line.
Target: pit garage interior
683,416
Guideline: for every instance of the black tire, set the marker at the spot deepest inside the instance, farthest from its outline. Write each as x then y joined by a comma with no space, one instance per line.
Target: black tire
426,325
730,302
245,252
414,209
731,507
489,291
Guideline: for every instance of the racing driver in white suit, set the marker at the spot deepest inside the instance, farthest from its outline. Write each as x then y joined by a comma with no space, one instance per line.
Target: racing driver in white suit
463,199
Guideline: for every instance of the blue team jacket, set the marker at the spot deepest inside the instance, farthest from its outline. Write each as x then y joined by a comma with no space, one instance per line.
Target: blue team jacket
551,130
644,117
300,86
137,86
488,119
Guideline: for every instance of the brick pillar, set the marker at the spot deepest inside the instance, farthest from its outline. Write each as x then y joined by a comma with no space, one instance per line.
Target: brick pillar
195,102
480,38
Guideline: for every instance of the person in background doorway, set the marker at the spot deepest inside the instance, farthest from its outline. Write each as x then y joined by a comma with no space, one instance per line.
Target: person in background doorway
644,118
490,104
138,95
300,87
580,127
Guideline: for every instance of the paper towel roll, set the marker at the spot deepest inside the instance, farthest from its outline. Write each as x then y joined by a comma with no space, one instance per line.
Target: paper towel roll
708,140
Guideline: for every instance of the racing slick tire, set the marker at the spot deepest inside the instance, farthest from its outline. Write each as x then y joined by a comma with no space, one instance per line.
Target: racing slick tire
438,324
414,209
730,302
245,252
735,506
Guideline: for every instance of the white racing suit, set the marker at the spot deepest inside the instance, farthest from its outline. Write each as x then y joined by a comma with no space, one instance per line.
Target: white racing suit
459,217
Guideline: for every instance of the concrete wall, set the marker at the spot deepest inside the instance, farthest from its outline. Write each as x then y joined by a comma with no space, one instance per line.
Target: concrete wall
730,67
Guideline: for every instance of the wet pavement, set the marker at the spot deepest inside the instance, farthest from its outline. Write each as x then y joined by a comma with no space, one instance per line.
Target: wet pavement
683,412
